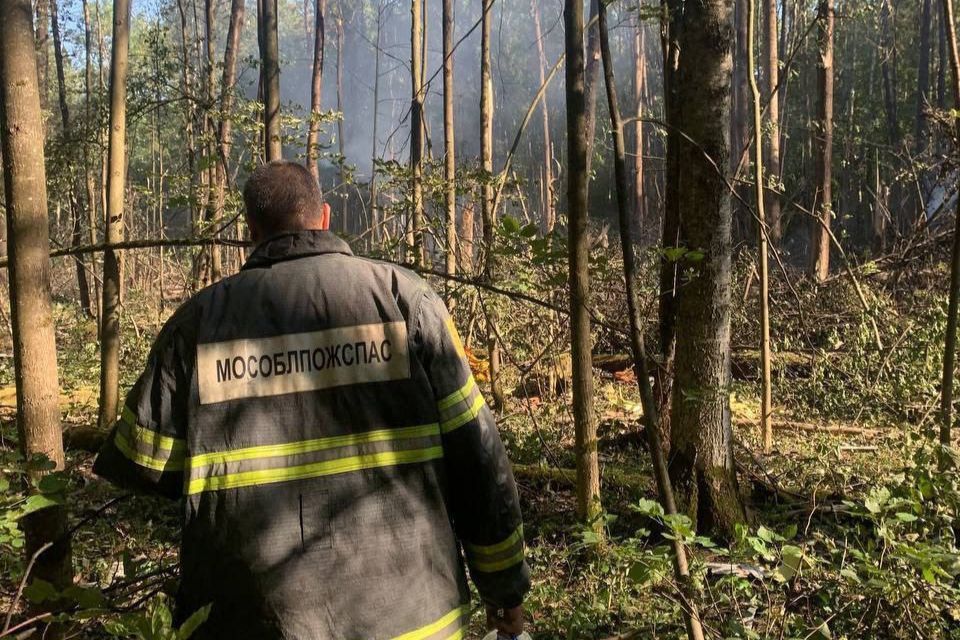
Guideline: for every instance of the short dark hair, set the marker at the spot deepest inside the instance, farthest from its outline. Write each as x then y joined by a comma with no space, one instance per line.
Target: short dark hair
282,196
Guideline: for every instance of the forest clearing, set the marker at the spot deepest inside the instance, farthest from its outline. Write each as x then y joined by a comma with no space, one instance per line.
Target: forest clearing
696,261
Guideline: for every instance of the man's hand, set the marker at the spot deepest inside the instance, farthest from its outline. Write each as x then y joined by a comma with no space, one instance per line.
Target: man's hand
508,622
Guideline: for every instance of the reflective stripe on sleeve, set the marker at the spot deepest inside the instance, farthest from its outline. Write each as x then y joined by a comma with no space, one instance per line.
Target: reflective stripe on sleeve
447,627
312,458
461,406
496,557
146,447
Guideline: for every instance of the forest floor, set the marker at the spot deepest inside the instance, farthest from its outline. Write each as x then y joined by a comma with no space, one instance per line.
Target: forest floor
802,569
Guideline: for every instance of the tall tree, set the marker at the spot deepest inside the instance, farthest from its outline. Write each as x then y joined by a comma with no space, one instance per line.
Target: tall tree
950,353
415,235
923,75
225,126
823,138
549,212
116,183
34,348
588,470
270,61
701,465
316,88
772,74
43,49
487,213
639,82
449,141
661,475
763,227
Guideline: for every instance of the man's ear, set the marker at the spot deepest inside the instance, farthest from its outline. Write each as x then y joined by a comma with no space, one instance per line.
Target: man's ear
325,217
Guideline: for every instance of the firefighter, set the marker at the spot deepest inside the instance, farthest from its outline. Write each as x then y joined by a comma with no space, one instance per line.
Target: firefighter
336,461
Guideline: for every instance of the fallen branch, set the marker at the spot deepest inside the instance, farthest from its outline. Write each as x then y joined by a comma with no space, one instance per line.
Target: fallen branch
803,426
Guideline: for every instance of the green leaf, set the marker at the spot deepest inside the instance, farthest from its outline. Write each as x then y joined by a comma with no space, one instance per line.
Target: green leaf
53,483
650,508
40,591
40,501
792,558
877,498
193,622
903,516
86,597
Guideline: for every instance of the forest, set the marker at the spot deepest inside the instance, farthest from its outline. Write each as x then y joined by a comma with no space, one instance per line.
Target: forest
703,256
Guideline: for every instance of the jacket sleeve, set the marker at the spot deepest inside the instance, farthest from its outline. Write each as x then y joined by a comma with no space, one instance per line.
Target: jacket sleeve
483,494
146,448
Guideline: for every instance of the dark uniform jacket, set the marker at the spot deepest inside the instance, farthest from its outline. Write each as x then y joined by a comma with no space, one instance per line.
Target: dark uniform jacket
336,461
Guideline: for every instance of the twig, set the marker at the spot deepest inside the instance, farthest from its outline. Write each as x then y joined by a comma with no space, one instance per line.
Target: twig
23,583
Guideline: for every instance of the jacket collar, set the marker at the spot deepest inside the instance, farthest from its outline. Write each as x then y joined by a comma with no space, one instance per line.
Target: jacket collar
291,245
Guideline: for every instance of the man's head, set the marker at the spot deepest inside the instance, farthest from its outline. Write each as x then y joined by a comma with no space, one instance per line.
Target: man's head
282,196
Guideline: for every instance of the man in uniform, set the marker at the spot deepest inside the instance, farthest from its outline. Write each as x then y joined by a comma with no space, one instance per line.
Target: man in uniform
336,461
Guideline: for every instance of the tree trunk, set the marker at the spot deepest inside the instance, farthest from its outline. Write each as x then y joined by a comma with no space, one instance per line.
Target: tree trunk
487,213
820,235
34,347
888,69
763,229
661,474
739,120
549,211
949,355
591,81
702,465
467,223
772,58
116,181
415,238
316,89
588,470
639,80
89,183
923,77
341,142
58,58
270,59
225,128
375,231
449,140
43,51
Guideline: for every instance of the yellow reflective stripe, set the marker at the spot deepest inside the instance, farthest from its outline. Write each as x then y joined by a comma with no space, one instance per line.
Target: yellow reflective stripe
170,463
313,470
149,437
511,540
458,635
457,342
500,565
458,396
434,627
458,421
310,446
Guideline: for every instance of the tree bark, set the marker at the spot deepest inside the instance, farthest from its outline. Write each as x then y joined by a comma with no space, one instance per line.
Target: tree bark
923,77
549,211
763,229
661,473
702,466
639,81
34,347
116,182
415,238
270,59
487,213
949,355
591,81
43,51
316,89
588,471
772,75
225,127
820,229
449,141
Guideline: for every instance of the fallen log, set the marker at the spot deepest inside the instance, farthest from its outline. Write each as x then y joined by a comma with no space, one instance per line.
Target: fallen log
634,482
